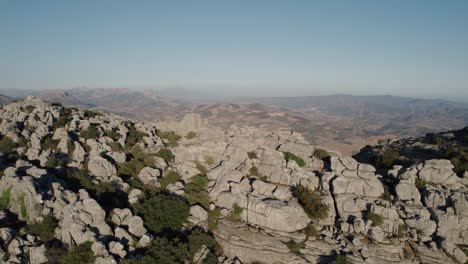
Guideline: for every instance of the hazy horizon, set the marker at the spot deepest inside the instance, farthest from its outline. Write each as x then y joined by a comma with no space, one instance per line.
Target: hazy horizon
260,49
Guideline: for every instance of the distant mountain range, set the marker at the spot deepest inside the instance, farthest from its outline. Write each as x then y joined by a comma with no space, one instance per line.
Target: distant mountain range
338,122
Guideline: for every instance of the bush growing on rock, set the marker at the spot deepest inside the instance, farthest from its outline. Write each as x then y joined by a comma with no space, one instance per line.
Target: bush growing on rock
341,259
133,137
171,177
5,199
387,159
92,132
133,167
196,192
163,212
458,156
253,171
191,135
48,143
91,114
236,213
29,109
166,155
202,169
213,219
209,160
311,202
288,156
55,161
45,230
320,154
81,254
377,220
170,137
295,247
7,146
252,155
197,239
112,133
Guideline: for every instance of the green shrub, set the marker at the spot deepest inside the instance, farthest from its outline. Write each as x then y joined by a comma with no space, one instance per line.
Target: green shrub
236,213
64,119
133,167
7,146
133,137
171,177
311,231
288,156
22,142
92,132
387,159
70,147
386,195
22,203
163,212
459,158
112,134
253,171
420,183
401,230
191,135
170,137
196,192
341,259
45,230
48,143
5,199
320,154
29,108
295,247
252,155
163,251
116,147
197,239
213,219
377,220
166,154
91,114
311,202
82,254
202,169
55,161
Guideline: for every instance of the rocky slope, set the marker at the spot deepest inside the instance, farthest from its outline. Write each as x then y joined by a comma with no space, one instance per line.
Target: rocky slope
85,187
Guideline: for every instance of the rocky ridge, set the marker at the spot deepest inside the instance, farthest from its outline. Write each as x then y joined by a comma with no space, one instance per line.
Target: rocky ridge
262,197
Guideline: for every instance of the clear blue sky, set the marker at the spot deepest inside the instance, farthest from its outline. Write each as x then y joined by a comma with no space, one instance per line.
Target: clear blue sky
401,47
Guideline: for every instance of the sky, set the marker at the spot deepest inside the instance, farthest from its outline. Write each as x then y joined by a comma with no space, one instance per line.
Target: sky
247,48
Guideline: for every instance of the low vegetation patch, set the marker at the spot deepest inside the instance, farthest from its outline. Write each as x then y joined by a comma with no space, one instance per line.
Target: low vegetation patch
252,155
341,259
22,203
5,199
92,132
459,158
133,167
163,212
295,247
191,135
170,137
288,156
55,161
48,143
91,113
196,192
29,108
112,133
420,183
170,177
81,254
253,171
236,213
7,145
311,202
387,159
134,137
201,168
45,230
213,219
320,154
377,220
166,155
